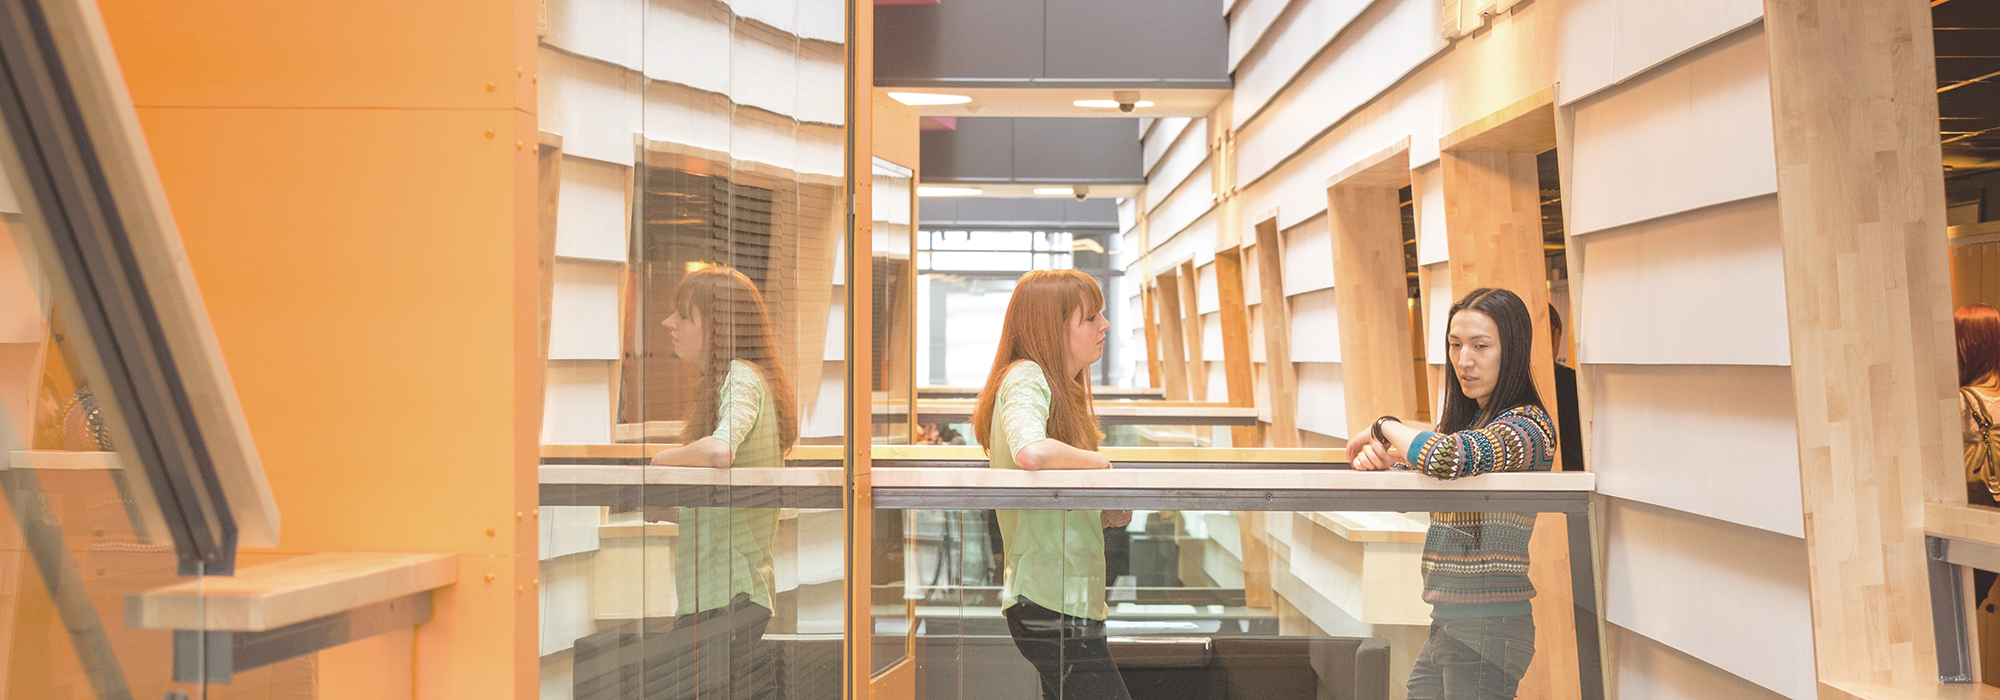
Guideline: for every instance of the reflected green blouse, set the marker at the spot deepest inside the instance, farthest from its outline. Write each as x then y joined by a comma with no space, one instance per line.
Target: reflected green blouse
724,552
1055,558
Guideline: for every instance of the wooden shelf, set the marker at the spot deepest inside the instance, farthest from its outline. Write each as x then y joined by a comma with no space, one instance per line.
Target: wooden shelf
269,596
1908,691
1963,522
982,477
63,461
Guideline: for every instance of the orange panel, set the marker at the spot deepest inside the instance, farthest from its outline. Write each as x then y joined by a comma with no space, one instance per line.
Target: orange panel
359,269
385,665
372,53
463,649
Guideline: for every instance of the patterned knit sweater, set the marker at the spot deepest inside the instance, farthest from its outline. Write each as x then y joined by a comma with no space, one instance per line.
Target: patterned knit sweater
1476,564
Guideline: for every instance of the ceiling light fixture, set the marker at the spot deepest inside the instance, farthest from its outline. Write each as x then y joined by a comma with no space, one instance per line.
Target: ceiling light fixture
928,191
928,99
1061,191
1109,104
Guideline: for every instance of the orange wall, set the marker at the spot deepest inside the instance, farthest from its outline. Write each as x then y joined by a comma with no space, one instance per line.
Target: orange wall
354,182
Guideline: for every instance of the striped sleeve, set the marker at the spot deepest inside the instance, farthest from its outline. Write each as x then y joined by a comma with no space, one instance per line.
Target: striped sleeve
1520,439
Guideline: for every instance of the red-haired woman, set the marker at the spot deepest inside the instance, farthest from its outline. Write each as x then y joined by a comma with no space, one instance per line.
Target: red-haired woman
744,416
1034,414
1978,329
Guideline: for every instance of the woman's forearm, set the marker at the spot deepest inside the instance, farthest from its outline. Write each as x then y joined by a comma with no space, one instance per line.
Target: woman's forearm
709,452
1052,454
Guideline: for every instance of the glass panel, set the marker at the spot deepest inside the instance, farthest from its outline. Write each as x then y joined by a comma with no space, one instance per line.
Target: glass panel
1225,604
78,530
702,362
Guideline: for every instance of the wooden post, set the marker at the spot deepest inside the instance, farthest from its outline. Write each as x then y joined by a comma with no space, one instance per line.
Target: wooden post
1197,366
1152,327
1235,315
1175,369
857,645
1279,374
1371,292
1861,207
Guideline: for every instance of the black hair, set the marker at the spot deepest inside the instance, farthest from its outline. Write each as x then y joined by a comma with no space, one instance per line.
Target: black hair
1515,386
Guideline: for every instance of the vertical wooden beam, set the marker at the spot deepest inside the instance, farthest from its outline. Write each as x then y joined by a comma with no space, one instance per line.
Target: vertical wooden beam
857,644
1152,328
1861,220
1235,316
1371,290
1172,340
1197,366
1279,373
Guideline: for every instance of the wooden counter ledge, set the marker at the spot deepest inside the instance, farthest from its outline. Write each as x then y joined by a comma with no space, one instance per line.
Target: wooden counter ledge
269,596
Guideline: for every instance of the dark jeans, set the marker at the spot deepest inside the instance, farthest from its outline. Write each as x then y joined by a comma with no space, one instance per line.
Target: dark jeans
1480,658
1069,652
718,654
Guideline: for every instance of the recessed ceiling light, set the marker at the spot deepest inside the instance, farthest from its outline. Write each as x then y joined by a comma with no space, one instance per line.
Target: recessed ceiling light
928,99
927,191
1064,191
1109,104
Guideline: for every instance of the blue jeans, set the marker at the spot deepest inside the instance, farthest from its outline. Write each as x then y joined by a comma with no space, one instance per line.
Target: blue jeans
1479,658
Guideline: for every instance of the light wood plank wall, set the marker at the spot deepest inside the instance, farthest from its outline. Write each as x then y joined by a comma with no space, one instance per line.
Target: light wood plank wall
1371,287
1677,303
1873,367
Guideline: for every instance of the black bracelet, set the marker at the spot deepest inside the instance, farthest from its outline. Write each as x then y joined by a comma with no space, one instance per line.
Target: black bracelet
1376,430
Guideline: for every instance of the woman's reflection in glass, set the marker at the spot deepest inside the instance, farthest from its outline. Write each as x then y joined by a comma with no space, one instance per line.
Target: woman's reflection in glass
1035,413
1475,565
744,415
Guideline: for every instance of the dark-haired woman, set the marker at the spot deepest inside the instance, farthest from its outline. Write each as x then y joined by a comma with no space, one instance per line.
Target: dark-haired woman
1475,565
1035,413
744,416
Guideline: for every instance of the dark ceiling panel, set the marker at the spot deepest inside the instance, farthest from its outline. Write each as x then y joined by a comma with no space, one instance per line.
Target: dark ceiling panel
1968,42
1077,150
1138,39
979,149
989,39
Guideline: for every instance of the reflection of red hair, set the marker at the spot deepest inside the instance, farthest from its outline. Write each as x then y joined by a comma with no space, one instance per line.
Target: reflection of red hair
1978,329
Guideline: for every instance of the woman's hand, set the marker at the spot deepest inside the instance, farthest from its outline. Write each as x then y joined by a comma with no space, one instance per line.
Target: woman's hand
1371,458
1357,443
1116,518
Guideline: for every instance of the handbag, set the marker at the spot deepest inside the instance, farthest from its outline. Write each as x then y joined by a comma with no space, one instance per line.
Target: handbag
1982,456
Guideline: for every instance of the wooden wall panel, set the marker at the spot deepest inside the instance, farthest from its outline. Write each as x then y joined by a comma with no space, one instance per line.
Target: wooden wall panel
596,107
584,322
1697,134
1274,316
1705,287
1192,331
1861,198
1642,415
1234,318
1152,334
1493,211
1732,596
1372,290
1163,134
1174,365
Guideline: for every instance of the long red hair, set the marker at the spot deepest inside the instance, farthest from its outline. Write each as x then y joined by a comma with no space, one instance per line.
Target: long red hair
1978,329
1037,329
739,328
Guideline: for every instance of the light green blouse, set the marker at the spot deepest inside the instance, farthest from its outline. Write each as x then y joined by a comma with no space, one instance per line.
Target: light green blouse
727,551
1055,558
